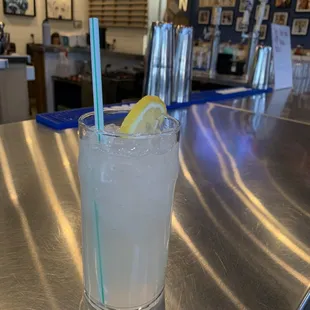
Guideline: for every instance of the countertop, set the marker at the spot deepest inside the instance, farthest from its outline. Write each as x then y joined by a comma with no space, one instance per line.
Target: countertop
16,59
219,79
283,104
59,48
240,227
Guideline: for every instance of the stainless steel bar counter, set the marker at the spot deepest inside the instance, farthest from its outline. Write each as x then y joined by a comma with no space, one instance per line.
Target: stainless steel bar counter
241,222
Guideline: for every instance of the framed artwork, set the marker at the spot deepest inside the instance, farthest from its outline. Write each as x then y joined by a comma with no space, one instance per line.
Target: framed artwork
20,7
303,6
300,26
59,9
280,18
284,4
204,17
263,32
242,6
266,14
239,26
227,18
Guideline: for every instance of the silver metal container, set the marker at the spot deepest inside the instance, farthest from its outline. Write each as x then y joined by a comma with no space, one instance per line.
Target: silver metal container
215,39
261,67
183,64
159,61
252,47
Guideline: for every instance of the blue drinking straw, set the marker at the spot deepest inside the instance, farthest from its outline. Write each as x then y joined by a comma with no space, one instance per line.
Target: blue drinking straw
98,254
96,72
99,123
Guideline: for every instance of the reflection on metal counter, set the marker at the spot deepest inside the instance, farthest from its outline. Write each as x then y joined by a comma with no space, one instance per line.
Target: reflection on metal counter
283,104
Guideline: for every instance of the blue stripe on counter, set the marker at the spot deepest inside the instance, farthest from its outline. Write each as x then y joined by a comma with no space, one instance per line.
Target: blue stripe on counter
69,119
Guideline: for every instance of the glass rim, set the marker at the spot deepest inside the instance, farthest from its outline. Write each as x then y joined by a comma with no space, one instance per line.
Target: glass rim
174,130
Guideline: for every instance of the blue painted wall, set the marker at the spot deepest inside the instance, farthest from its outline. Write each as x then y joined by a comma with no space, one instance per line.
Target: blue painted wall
229,33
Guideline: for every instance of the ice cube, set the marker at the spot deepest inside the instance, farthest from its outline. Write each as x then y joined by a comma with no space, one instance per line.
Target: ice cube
111,128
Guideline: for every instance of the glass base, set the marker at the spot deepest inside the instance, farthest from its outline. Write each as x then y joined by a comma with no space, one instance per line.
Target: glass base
150,305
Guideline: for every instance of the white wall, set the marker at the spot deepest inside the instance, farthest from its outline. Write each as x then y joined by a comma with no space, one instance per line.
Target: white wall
127,40
131,40
20,28
156,10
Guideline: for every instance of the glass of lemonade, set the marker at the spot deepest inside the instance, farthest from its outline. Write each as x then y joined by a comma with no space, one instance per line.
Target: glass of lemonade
127,190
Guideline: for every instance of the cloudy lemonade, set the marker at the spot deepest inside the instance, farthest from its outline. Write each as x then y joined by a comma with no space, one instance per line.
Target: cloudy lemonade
127,189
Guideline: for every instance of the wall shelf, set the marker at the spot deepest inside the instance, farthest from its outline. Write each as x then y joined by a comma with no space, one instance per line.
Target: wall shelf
120,13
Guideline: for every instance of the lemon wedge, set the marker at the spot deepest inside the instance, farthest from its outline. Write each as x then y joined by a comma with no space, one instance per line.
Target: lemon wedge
144,116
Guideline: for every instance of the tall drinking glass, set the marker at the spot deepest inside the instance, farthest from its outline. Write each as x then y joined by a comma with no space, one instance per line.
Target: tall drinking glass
127,190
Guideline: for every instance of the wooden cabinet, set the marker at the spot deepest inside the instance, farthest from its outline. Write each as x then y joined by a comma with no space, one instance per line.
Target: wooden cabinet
39,82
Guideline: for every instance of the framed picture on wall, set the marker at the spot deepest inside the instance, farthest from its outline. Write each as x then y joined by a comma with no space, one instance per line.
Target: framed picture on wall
284,4
20,7
303,6
204,17
300,26
239,26
280,18
59,9
263,32
266,14
227,18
